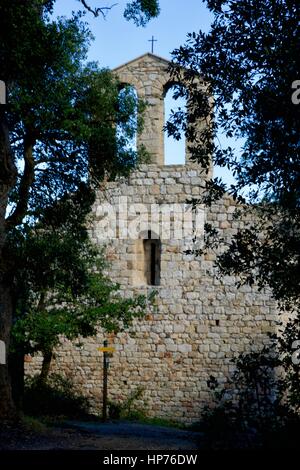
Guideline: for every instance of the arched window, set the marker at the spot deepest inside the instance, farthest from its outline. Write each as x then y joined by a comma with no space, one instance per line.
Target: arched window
175,150
147,260
127,118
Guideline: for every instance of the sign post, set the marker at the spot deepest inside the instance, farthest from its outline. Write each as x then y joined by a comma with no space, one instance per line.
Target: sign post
105,377
106,350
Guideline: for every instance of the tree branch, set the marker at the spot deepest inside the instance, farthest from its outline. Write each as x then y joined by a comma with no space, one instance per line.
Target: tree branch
8,171
26,182
96,11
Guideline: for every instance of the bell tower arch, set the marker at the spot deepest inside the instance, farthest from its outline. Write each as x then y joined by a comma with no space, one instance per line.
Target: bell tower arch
150,76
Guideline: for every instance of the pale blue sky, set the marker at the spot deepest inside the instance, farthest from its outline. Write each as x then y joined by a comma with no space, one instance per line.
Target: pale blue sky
118,41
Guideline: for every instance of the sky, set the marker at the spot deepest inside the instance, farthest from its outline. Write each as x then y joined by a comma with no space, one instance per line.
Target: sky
117,41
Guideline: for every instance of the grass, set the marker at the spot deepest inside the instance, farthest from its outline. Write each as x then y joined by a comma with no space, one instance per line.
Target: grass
35,425
163,422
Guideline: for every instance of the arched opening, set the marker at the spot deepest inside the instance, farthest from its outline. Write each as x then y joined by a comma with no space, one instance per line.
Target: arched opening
127,118
174,148
147,259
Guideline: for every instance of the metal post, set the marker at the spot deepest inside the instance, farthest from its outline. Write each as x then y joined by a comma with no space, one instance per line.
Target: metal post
105,376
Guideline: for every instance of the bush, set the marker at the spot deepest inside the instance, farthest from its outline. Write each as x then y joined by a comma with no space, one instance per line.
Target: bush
223,428
125,409
57,397
250,410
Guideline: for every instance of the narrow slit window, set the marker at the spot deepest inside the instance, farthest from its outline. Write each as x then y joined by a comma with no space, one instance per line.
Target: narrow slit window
152,262
147,260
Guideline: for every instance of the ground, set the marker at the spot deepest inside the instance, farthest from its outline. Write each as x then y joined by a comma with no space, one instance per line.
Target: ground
98,436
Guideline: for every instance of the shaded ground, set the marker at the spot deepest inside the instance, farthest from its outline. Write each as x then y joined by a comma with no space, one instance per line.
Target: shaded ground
76,435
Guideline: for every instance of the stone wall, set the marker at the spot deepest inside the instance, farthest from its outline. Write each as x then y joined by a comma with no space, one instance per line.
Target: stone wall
200,321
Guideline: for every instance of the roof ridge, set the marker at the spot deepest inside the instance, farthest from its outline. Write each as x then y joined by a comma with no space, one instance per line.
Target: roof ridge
140,57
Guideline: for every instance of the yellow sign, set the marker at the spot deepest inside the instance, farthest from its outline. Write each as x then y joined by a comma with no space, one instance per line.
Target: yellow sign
106,349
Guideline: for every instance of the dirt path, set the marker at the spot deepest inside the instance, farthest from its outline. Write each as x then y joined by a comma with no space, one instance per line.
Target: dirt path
129,435
124,435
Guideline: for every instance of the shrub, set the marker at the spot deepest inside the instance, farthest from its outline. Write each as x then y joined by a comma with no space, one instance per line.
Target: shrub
125,409
57,397
251,409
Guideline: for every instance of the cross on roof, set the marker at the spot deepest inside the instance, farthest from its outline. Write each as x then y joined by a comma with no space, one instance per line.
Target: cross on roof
152,41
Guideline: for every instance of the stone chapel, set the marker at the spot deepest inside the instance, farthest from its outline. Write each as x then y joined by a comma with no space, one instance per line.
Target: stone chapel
200,321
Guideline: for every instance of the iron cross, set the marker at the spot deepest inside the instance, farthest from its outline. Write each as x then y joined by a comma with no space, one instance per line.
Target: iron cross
152,41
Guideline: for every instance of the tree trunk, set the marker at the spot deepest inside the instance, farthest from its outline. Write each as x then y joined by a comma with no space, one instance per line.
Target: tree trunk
7,180
7,407
47,357
17,373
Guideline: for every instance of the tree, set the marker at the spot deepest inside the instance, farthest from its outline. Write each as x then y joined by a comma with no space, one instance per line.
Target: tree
250,62
62,289
140,11
47,133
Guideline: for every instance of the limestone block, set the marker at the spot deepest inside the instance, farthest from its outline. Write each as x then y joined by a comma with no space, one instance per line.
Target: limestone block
171,347
178,328
184,348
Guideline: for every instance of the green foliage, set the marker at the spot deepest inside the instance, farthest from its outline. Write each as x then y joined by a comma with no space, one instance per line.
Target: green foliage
127,408
32,424
56,397
63,123
74,138
70,298
62,127
157,421
251,396
221,428
57,140
141,11
288,346
61,288
267,253
256,381
259,404
249,60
